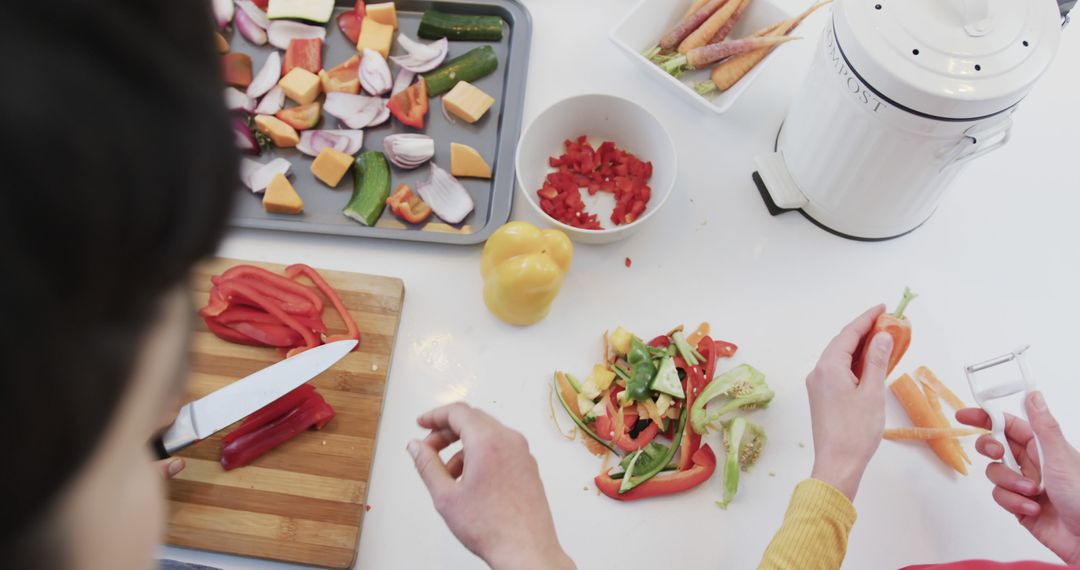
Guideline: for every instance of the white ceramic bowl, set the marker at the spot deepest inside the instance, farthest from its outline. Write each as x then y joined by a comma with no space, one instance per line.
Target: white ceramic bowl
651,19
598,117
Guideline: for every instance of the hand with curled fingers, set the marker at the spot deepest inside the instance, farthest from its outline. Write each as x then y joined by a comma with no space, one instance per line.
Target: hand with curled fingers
848,413
1052,516
489,493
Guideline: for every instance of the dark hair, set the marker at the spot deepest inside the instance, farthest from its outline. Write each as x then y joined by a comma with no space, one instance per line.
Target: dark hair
118,170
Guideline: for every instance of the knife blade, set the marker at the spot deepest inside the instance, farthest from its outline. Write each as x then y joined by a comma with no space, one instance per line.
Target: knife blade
215,411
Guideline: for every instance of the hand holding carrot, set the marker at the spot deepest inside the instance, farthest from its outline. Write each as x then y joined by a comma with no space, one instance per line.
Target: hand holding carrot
848,412
1053,516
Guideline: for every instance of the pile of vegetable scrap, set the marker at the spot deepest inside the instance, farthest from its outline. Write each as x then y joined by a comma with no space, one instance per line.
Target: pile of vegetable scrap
605,168
273,425
923,406
250,305
700,40
645,403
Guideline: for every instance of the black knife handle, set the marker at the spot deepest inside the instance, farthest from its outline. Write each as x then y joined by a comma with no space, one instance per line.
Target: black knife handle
158,445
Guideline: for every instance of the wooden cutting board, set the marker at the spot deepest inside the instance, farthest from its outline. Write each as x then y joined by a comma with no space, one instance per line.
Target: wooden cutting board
303,501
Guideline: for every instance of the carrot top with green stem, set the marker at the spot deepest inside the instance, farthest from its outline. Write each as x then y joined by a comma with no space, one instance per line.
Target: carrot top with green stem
907,298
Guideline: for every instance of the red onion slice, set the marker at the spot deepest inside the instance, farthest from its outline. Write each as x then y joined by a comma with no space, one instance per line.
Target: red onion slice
421,58
356,111
375,75
237,100
272,102
223,12
249,29
245,140
347,141
446,196
256,14
409,150
267,77
260,178
248,167
402,81
281,32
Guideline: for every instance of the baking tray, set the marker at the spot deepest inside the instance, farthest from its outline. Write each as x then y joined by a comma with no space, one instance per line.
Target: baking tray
495,136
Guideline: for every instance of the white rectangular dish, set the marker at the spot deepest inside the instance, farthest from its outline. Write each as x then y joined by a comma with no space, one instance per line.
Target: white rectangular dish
651,19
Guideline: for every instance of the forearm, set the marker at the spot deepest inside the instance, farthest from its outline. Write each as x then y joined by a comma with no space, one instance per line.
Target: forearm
815,530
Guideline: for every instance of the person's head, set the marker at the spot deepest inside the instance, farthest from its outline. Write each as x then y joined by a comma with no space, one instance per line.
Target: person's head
117,167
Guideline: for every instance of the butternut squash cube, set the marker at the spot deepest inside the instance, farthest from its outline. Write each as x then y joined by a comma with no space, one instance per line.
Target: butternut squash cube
467,102
300,85
384,13
375,36
279,131
331,165
465,161
281,197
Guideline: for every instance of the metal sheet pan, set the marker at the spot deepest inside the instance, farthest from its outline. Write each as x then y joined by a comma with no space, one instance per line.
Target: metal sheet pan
495,136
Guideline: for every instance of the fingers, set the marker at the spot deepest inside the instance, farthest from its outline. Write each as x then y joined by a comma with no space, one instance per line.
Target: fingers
1007,479
441,438
431,469
456,464
455,417
170,467
1018,505
851,336
989,447
1043,424
876,363
974,417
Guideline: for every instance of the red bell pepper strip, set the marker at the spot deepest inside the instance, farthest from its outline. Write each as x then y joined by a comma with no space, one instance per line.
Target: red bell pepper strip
661,341
410,105
624,441
704,461
271,412
246,448
226,333
407,205
291,290
240,313
233,287
269,334
294,271
215,304
288,302
304,53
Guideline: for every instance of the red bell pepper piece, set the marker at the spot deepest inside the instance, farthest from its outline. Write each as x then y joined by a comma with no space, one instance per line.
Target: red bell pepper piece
294,271
234,287
241,313
661,341
305,53
623,440
704,461
271,412
246,448
225,333
692,386
407,205
291,293
410,105
215,304
237,69
269,334
349,22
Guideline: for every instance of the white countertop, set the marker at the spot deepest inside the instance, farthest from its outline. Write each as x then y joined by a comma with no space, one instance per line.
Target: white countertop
997,266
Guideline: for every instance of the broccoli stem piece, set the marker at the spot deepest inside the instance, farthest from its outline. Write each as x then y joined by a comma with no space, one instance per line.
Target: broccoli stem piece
907,298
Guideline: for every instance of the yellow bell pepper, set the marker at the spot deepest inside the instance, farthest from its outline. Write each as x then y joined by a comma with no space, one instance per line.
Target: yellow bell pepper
523,269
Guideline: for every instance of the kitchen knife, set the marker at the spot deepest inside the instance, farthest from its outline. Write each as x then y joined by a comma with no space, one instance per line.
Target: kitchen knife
219,409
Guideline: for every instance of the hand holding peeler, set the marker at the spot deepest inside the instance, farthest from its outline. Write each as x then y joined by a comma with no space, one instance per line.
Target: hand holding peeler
986,392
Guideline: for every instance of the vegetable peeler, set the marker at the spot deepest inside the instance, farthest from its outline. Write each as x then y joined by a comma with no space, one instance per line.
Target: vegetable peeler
986,392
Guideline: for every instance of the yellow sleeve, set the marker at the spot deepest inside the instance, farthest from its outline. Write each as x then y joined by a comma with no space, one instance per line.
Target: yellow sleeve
815,531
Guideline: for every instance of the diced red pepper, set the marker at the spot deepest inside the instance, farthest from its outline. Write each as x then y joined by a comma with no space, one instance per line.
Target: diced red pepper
405,204
410,105
237,69
301,117
353,332
343,77
305,53
271,412
248,447
704,463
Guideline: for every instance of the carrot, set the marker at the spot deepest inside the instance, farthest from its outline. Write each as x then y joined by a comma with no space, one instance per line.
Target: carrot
918,409
689,24
919,433
694,8
731,70
709,27
928,378
704,55
942,421
700,332
724,30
